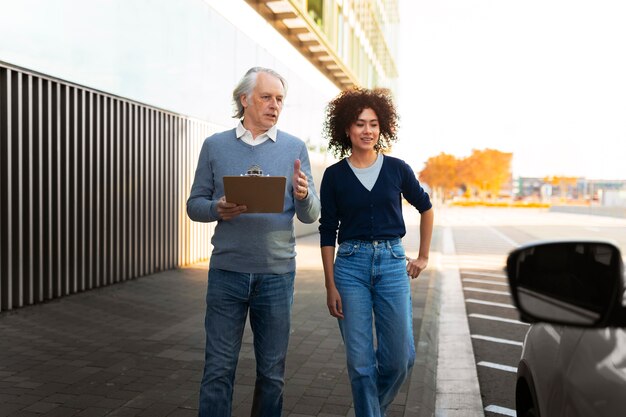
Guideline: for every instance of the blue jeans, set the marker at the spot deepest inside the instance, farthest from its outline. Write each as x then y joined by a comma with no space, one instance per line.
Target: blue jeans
375,291
230,295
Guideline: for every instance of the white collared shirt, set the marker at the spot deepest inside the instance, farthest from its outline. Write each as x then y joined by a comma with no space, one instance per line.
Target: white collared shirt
246,136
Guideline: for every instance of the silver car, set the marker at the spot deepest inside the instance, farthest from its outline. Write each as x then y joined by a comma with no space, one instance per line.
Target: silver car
573,362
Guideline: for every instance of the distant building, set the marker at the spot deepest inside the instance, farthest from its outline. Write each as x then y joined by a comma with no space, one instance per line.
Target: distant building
604,192
528,187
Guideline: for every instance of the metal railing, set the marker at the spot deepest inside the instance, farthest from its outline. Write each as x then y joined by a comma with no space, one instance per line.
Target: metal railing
92,189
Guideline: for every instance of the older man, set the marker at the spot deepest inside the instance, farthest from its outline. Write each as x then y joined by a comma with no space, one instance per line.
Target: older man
252,266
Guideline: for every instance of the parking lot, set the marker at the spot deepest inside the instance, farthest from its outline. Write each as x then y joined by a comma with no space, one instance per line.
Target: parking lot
482,239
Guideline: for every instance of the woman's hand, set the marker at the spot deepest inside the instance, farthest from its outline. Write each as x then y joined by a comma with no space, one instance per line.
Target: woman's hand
414,267
333,301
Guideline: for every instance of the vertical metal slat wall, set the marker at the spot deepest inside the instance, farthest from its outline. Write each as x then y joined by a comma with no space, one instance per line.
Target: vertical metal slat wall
92,189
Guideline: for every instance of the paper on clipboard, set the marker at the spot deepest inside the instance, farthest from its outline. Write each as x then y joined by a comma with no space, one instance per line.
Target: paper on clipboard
260,194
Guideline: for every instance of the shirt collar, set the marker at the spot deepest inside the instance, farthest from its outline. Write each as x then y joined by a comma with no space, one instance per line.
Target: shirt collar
241,130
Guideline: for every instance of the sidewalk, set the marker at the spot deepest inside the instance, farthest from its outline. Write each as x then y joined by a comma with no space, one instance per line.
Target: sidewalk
136,349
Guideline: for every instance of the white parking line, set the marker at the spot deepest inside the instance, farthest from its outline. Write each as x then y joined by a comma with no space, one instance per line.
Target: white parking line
471,262
489,303
497,340
485,281
498,366
483,274
501,410
495,318
503,236
486,291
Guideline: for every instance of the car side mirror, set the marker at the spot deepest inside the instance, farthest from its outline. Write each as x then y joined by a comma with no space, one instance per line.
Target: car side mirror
575,283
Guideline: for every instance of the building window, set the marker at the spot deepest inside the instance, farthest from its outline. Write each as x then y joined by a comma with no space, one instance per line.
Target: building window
316,11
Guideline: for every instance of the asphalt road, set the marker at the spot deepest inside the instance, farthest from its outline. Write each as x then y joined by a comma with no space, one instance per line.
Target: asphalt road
483,237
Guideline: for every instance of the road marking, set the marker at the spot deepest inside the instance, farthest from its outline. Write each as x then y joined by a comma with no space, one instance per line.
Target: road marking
484,274
485,262
486,291
497,340
494,318
501,410
489,303
497,366
484,281
503,236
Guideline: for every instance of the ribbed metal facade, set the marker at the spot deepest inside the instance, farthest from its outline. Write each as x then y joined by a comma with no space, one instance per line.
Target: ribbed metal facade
92,187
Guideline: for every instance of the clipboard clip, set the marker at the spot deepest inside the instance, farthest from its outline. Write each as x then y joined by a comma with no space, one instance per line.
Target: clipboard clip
254,171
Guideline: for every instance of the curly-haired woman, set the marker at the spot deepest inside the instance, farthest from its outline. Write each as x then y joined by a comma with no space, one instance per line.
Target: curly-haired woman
367,283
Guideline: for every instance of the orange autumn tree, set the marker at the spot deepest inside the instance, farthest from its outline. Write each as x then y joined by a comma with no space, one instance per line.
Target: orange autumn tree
483,173
486,171
440,173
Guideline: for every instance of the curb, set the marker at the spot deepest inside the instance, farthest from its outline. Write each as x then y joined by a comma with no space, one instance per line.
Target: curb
423,381
458,391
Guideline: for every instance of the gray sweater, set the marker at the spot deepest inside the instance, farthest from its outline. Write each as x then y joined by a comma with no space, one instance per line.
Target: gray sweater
252,243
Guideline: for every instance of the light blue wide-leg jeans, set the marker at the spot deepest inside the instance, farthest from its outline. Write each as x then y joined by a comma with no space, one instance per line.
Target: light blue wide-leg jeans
375,292
230,295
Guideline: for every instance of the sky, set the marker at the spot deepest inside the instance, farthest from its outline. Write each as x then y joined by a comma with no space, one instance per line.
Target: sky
545,80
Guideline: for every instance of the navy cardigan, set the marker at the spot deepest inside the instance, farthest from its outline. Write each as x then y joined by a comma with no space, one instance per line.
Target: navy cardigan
368,215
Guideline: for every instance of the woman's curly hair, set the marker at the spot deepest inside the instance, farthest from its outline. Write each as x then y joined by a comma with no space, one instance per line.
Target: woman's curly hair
345,109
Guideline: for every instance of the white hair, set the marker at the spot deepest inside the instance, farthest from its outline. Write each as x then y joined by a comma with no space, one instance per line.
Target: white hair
247,84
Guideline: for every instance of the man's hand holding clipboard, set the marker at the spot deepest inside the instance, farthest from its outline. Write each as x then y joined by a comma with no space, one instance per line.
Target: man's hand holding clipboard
263,194
228,210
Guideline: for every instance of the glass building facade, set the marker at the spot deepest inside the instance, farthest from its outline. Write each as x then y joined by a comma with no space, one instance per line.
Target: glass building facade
353,42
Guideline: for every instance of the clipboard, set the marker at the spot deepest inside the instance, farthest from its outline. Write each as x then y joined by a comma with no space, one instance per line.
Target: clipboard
260,194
